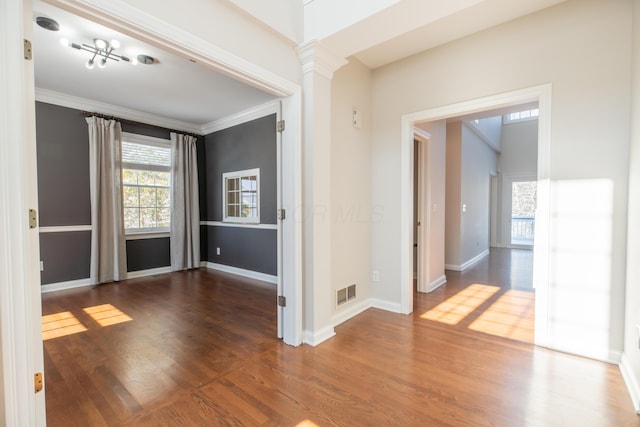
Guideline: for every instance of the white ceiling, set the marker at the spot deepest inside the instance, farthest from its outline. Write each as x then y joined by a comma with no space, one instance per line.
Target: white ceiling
173,88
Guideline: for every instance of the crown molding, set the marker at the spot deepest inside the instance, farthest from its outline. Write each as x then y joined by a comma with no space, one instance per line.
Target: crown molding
64,100
260,111
315,57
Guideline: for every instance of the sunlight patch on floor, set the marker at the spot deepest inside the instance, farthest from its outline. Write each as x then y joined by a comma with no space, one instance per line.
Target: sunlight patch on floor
60,324
511,316
307,423
460,305
106,315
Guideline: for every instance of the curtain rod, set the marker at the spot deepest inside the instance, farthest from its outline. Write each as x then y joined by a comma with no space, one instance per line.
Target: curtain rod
109,117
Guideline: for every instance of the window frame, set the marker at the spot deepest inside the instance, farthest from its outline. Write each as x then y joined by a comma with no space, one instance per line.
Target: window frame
506,119
239,219
147,232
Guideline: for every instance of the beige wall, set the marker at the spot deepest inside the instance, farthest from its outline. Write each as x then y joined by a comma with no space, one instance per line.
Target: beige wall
589,127
351,184
631,351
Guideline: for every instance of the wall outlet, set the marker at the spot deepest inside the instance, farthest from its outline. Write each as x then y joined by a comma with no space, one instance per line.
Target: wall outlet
41,265
376,276
217,251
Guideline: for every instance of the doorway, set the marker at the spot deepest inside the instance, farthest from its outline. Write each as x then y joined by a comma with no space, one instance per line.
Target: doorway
541,95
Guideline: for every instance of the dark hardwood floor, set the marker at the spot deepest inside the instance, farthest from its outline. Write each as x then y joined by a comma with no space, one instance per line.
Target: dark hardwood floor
199,349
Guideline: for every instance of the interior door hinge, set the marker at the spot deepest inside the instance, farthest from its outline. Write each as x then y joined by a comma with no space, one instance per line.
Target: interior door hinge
27,50
282,214
37,382
282,301
33,218
280,126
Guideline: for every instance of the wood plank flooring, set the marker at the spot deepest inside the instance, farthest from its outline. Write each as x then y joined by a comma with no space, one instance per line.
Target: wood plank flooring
198,348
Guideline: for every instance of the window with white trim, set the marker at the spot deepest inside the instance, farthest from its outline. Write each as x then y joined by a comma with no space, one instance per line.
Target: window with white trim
146,183
241,196
520,116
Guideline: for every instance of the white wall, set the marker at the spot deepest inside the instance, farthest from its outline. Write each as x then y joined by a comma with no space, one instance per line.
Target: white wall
491,127
453,191
350,183
284,16
631,360
589,129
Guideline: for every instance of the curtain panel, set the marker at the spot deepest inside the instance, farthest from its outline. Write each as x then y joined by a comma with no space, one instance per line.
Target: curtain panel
108,245
185,206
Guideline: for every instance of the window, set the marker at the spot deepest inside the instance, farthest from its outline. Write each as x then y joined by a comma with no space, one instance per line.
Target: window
241,196
521,116
146,183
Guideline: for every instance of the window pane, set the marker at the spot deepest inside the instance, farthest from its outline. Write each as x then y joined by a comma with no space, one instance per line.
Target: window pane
145,154
164,217
130,196
162,178
146,177
131,218
129,176
147,217
147,197
163,197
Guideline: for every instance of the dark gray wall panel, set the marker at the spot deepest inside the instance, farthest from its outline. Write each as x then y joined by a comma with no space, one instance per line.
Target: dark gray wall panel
248,248
63,166
145,254
204,243
202,178
66,256
245,146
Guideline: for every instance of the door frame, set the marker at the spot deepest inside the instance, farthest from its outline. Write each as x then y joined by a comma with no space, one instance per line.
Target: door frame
541,94
424,212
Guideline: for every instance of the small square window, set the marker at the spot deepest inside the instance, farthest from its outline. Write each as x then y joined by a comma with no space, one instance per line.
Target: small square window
241,196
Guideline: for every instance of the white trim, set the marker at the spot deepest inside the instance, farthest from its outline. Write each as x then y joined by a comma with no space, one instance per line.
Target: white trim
65,228
350,311
467,264
437,283
240,272
241,117
247,173
421,134
69,101
315,57
149,272
473,128
147,235
239,225
393,307
630,381
61,286
314,339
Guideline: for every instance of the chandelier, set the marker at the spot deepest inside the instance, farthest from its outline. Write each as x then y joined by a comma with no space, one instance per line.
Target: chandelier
101,51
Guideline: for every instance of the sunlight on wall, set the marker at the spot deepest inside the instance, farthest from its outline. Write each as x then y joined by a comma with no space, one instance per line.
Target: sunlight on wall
106,315
60,324
580,245
511,316
459,306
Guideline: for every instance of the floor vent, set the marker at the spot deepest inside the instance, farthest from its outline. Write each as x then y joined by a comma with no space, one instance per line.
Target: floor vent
345,295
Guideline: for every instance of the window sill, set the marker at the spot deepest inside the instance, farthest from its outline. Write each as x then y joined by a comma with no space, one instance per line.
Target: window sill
140,235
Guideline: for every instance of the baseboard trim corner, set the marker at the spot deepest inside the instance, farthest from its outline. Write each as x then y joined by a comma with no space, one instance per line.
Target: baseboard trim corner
386,305
61,286
315,338
437,283
631,382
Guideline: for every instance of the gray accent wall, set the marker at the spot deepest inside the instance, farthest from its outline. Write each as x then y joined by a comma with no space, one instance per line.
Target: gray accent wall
245,146
64,198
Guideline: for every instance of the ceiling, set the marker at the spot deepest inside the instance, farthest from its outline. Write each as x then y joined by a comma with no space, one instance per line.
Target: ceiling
173,87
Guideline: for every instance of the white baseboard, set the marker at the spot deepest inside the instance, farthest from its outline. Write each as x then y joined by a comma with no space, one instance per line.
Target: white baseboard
150,272
631,382
240,272
315,338
386,305
349,311
466,264
61,286
437,283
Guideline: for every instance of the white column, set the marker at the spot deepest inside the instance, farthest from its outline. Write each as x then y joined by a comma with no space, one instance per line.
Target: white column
318,66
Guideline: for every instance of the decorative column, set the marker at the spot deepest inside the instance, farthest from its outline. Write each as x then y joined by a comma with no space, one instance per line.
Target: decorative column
318,66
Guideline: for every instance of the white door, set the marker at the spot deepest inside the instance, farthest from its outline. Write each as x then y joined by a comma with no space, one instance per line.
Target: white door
20,301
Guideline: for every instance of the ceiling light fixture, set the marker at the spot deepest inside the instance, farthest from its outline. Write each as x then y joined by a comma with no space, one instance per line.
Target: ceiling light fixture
102,51
48,23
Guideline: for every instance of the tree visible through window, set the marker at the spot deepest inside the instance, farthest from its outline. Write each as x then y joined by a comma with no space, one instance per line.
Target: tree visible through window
146,185
523,212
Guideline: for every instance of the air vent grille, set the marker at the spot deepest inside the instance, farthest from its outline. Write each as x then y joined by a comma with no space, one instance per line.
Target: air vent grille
345,295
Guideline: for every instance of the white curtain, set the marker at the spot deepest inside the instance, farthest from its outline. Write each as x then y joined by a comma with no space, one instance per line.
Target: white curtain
108,246
185,206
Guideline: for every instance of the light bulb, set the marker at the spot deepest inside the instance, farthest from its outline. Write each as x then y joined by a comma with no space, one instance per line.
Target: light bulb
64,42
90,64
100,44
115,44
102,63
134,60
